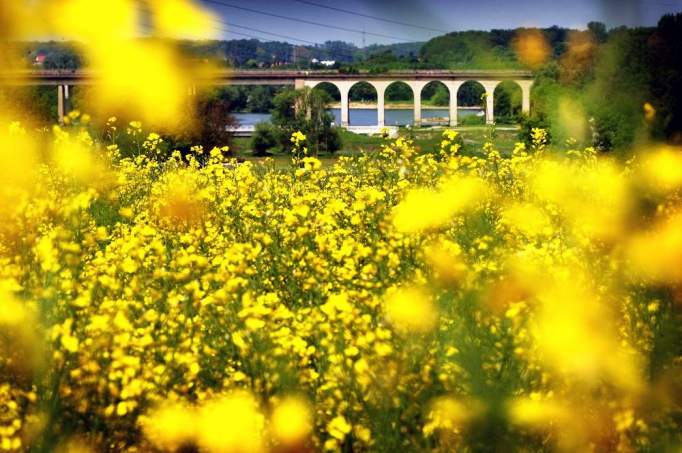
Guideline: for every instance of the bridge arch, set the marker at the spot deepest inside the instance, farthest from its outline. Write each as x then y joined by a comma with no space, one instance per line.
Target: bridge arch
399,92
333,93
470,99
508,102
366,94
436,94
329,88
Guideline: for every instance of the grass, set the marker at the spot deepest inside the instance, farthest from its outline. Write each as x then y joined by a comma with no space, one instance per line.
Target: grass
427,138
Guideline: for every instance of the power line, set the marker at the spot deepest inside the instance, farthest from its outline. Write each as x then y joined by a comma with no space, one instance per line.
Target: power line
369,16
248,35
305,41
312,43
244,34
231,24
305,21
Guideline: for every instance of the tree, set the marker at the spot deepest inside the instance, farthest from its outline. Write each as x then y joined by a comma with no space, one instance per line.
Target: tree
441,95
399,91
666,76
306,111
470,94
264,139
212,125
259,99
598,30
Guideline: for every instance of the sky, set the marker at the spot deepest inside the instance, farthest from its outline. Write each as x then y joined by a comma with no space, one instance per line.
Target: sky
244,18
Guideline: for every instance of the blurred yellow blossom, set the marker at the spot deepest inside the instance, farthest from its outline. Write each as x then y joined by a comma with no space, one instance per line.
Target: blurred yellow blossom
232,423
291,422
411,309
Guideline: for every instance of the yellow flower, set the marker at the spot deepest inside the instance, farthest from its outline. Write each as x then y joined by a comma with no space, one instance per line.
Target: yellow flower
424,209
70,343
338,427
449,414
291,421
47,254
232,423
535,411
170,426
129,265
411,309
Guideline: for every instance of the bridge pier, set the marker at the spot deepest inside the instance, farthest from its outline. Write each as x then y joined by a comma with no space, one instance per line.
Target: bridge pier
525,95
417,87
489,87
60,103
453,88
380,87
63,102
344,88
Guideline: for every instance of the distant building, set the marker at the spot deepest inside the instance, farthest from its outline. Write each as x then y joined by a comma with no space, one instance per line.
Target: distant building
39,59
327,63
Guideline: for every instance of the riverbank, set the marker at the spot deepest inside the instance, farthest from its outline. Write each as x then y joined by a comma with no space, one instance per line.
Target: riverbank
425,139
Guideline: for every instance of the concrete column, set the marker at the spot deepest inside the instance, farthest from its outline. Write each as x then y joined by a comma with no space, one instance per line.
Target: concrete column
299,84
453,88
489,108
417,110
380,86
489,100
60,103
417,86
525,95
67,99
345,113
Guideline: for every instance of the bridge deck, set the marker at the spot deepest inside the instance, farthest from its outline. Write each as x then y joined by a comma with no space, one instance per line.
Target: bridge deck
85,77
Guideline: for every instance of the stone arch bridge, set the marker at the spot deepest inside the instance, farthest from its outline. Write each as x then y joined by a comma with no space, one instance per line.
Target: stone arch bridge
416,80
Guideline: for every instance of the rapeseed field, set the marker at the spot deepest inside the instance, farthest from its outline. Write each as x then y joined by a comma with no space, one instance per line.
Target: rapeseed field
398,301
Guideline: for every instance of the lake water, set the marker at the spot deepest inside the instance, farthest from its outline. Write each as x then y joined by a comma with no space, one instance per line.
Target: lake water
368,116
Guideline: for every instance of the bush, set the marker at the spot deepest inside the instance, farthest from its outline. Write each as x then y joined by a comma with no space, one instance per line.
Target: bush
472,120
441,96
305,111
264,138
528,123
212,126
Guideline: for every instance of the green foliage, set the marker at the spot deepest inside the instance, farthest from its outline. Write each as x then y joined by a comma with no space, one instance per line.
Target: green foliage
471,120
528,123
470,49
665,47
306,111
399,92
362,92
507,102
211,129
330,90
265,138
470,94
349,69
441,96
598,30
435,93
57,55
251,99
